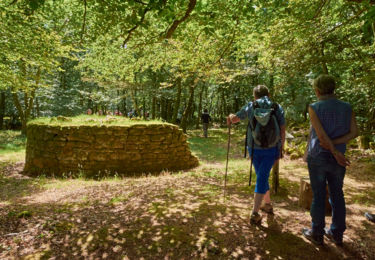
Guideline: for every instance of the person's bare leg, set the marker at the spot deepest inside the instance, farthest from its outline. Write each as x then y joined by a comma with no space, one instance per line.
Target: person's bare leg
258,197
267,197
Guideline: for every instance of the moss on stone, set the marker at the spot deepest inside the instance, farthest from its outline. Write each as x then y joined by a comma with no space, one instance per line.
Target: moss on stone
93,120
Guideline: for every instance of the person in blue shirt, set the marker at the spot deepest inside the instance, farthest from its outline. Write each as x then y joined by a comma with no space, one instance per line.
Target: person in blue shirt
333,125
263,158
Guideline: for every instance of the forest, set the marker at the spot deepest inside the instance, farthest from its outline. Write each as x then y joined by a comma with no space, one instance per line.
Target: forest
168,60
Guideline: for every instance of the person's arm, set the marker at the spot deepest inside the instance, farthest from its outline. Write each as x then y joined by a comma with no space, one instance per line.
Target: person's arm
353,132
323,138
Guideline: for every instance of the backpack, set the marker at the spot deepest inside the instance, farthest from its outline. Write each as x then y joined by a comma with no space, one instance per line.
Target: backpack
265,129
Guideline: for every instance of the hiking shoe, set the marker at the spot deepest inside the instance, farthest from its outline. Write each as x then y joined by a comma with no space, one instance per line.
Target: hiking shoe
255,218
370,216
317,240
267,207
328,233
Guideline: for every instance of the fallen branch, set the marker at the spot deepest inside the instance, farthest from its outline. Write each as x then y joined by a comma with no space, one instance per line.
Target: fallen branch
15,234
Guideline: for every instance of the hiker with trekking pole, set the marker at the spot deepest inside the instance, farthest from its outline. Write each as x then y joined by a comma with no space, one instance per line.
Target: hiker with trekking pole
265,138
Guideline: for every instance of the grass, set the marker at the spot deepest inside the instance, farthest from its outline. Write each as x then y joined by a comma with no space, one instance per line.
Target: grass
12,147
92,120
176,215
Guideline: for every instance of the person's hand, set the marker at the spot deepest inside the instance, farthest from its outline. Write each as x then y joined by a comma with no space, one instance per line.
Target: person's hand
229,120
324,144
340,158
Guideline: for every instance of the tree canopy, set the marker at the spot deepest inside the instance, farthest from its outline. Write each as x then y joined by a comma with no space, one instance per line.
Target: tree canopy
174,58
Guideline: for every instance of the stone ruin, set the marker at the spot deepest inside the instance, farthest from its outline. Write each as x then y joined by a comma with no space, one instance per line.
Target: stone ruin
106,150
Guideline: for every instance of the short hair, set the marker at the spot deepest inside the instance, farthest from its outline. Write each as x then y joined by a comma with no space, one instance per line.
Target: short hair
205,110
260,91
325,84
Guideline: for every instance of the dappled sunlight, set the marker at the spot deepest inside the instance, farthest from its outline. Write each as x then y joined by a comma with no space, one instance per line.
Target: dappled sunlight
173,216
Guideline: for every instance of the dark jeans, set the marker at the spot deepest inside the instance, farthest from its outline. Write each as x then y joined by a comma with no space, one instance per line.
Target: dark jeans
324,169
205,129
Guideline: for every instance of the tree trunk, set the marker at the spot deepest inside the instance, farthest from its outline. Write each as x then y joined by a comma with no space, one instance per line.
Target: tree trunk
124,109
37,107
223,107
306,196
199,108
271,86
144,108
153,109
2,108
177,102
170,110
28,103
186,114
162,108
324,63
306,111
24,113
158,108
135,101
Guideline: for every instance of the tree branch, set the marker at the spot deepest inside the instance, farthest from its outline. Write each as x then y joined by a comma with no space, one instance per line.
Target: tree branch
361,1
130,31
176,23
344,23
323,3
12,3
140,2
17,104
84,20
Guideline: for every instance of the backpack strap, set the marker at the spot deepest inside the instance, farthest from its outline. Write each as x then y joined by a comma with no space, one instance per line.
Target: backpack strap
275,107
254,121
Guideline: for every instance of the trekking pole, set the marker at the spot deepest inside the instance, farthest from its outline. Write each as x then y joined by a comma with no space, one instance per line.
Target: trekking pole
226,168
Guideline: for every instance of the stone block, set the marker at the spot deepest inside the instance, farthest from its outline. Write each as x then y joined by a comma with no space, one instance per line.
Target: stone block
97,156
157,138
135,132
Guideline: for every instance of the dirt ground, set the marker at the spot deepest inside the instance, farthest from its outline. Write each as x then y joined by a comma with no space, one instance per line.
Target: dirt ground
174,216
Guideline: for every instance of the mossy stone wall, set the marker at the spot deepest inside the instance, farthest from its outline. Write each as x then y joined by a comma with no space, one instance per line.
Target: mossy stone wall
106,150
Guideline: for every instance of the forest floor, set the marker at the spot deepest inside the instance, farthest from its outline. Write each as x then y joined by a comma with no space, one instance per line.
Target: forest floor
179,215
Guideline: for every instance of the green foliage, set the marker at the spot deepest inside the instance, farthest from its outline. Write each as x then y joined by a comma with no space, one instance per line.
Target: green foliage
11,141
159,55
24,214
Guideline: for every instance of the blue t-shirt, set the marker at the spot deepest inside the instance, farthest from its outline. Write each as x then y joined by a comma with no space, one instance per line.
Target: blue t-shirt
335,116
248,112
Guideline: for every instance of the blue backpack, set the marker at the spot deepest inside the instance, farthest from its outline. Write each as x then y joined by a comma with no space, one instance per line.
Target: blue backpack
264,127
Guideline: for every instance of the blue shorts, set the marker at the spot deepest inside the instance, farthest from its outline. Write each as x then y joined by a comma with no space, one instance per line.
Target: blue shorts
263,160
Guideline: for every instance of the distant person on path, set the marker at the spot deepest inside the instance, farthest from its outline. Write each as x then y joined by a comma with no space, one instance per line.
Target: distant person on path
130,114
370,217
206,119
333,125
264,147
